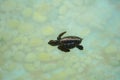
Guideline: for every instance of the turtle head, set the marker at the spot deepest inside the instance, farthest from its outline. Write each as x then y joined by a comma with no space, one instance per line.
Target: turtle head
53,42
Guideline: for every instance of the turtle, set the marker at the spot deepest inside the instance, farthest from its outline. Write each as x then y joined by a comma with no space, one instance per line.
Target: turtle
66,43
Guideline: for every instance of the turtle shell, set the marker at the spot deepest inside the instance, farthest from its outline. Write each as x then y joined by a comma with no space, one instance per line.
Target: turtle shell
70,42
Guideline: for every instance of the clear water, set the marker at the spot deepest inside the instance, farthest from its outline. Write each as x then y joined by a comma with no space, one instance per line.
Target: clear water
26,26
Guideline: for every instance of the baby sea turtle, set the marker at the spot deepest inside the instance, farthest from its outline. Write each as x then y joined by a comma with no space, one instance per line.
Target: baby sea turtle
66,43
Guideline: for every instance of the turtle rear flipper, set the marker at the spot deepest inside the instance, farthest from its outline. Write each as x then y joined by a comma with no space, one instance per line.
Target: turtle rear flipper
60,35
80,47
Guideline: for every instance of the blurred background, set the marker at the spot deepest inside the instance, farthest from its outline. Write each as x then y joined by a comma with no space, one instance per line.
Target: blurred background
26,26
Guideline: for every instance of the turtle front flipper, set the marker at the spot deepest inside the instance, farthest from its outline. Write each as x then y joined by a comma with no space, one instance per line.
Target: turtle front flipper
80,47
63,49
60,35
